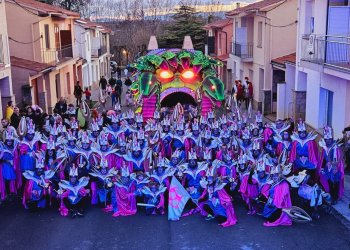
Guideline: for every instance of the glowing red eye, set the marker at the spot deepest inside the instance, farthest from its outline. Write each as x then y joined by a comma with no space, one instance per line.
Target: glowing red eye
187,74
166,74
213,87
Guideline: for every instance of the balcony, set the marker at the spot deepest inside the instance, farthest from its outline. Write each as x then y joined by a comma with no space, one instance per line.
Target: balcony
331,51
99,52
57,56
244,51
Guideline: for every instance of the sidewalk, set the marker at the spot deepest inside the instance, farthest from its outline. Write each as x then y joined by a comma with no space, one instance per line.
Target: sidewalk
343,205
341,209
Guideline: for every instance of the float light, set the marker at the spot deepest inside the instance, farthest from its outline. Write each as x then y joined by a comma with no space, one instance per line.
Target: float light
188,74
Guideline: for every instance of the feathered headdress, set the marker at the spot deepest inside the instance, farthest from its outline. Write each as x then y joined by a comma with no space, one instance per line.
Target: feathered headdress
176,154
301,126
94,126
70,136
85,137
73,172
9,134
31,127
246,134
51,143
125,171
166,122
156,114
74,124
256,145
258,117
195,125
139,118
223,119
192,155
203,120
327,132
207,134
211,114
103,139
207,154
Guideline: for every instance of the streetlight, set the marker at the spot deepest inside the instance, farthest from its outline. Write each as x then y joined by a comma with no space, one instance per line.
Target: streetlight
126,53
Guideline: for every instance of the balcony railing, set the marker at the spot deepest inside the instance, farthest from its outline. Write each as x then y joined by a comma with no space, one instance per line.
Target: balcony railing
57,56
99,52
333,51
244,51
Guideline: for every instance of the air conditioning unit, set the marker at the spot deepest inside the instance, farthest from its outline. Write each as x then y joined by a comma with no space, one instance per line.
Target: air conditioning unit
311,45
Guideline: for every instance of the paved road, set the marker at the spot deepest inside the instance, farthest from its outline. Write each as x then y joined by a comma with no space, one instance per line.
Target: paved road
48,230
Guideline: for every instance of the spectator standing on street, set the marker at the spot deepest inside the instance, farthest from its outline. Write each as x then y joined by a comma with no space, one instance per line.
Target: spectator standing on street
126,72
15,118
119,72
61,106
103,84
234,93
118,91
78,93
249,97
112,81
128,82
239,92
87,94
9,110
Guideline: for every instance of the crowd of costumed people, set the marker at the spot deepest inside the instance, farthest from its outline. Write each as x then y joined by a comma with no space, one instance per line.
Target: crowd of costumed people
175,163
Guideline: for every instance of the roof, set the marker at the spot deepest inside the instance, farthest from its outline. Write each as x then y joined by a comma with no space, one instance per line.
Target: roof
222,57
86,23
218,24
291,58
28,64
254,6
43,7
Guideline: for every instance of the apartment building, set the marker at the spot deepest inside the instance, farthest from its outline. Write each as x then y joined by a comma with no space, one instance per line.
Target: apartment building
92,45
323,63
6,93
262,31
218,45
41,44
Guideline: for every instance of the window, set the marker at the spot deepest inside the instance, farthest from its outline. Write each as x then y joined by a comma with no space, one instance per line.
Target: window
338,2
47,36
56,30
326,107
259,42
312,25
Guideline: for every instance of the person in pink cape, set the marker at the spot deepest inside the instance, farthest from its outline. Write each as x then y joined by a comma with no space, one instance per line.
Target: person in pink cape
73,194
278,198
219,204
331,165
304,151
9,164
154,198
125,194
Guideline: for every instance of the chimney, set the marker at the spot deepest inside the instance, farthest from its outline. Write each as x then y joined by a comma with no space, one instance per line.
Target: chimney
238,5
153,44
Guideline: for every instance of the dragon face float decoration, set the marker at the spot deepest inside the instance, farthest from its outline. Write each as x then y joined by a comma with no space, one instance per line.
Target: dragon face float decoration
164,72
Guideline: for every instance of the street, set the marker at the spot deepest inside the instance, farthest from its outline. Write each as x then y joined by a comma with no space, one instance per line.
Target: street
48,230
